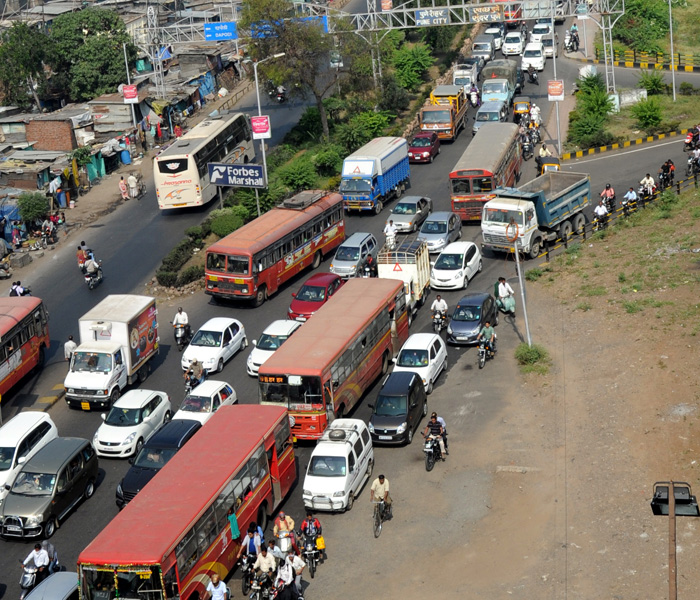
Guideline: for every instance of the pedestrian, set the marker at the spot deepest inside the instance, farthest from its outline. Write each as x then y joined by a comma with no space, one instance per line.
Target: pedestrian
69,347
217,589
13,289
62,222
123,189
133,185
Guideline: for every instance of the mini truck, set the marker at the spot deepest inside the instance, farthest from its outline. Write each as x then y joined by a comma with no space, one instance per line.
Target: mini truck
546,208
408,262
445,111
500,78
375,174
118,338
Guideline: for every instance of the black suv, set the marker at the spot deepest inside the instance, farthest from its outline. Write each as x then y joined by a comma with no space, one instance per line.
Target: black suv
400,406
159,449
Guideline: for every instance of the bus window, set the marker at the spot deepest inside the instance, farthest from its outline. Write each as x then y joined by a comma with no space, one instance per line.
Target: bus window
238,265
216,262
173,165
460,186
482,184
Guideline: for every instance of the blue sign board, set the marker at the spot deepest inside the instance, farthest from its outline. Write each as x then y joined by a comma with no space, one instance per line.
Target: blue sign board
263,29
432,16
216,32
234,175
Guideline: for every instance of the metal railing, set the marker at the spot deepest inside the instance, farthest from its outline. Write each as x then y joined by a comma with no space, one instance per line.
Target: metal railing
653,59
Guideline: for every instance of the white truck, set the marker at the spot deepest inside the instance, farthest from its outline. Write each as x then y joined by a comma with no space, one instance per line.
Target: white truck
118,337
409,262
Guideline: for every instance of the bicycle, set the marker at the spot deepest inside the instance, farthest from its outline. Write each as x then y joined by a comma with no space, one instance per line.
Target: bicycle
379,516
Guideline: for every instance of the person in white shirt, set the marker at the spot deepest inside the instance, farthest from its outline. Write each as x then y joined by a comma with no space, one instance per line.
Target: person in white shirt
265,561
601,213
505,300
648,183
438,304
38,558
69,347
696,156
629,199
390,229
181,318
133,185
298,565
217,589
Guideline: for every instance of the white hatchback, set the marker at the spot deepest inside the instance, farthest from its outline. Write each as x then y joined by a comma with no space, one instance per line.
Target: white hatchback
513,44
205,399
130,422
275,334
457,264
539,31
215,343
533,55
424,354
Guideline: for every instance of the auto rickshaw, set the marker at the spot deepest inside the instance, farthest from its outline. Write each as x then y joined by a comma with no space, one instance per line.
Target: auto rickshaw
549,163
521,107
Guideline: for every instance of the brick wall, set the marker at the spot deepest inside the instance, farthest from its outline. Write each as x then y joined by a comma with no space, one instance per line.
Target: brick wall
52,135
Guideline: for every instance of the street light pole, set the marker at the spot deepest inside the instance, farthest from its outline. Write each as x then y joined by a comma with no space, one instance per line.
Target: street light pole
673,66
262,142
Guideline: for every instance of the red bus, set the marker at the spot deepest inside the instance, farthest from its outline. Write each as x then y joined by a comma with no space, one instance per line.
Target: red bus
175,533
491,160
24,337
323,370
512,13
256,259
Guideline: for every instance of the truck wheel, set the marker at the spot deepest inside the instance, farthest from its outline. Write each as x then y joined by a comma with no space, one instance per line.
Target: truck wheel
378,207
535,247
114,397
579,224
565,230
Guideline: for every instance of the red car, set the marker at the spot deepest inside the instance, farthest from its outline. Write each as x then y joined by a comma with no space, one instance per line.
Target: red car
313,295
424,147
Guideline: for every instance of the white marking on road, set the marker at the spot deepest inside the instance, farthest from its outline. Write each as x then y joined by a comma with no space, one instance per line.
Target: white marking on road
515,469
474,394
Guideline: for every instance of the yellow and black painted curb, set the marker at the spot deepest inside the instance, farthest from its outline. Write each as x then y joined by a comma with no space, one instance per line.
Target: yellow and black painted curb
619,145
644,65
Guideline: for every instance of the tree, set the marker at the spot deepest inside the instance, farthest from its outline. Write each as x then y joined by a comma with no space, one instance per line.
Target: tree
32,206
411,63
88,53
23,50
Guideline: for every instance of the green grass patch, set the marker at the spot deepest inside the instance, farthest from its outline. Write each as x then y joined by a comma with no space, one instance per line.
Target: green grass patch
584,306
593,290
681,114
632,306
533,359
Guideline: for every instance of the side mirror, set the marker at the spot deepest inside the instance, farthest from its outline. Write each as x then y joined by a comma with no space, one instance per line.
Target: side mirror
393,361
371,406
294,294
255,342
131,460
104,416
7,487
21,460
413,405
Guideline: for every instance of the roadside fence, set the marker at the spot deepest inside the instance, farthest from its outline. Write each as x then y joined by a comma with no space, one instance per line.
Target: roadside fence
653,60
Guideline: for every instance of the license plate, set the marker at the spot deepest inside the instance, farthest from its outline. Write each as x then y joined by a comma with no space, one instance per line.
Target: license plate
13,528
213,278
238,281
463,339
384,437
302,319
85,405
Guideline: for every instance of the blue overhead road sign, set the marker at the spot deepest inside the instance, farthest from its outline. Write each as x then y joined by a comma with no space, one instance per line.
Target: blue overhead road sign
236,175
215,32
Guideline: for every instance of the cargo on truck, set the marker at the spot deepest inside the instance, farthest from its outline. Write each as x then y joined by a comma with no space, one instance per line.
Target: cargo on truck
118,338
408,261
445,112
375,174
499,80
547,208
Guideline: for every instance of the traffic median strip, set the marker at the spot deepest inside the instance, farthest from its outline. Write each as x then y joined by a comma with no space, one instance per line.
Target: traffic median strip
49,401
625,144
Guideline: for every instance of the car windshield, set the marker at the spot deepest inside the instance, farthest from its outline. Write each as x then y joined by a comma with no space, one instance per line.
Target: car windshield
463,80
34,484
390,406
6,456
513,39
534,53
92,362
208,339
311,293
467,313
404,208
420,142
434,227
540,29
547,41
449,262
327,466
481,47
198,404
347,253
124,417
487,116
522,107
154,458
494,87
412,358
271,342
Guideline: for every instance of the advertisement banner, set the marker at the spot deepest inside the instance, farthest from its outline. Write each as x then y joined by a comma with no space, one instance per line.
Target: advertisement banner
261,127
143,335
555,90
131,94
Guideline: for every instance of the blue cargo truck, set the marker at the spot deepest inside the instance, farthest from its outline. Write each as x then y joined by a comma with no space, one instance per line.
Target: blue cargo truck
375,174
546,208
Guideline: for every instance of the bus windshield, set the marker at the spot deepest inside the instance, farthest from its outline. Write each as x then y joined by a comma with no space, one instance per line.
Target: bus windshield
133,581
436,116
307,392
504,216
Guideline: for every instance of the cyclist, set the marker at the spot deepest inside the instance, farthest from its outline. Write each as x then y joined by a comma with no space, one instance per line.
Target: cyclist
380,491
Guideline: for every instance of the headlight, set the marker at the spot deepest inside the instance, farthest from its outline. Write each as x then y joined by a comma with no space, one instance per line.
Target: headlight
331,266
432,273
459,275
371,427
339,494
401,428
95,438
425,381
353,268
449,330
307,493
426,154
250,359
71,390
33,521
102,393
129,439
209,361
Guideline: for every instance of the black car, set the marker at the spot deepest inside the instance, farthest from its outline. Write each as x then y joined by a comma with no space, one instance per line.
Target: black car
520,80
157,451
469,316
400,406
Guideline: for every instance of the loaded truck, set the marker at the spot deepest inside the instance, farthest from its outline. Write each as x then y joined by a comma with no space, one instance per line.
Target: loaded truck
118,338
546,208
375,174
409,262
465,75
445,111
500,78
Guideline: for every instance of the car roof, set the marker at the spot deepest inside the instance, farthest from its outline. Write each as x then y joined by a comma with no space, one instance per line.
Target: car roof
541,25
511,33
424,134
475,298
356,238
54,455
441,215
208,387
136,398
321,279
170,434
218,324
410,199
398,382
12,432
457,247
534,46
491,105
57,586
418,341
281,327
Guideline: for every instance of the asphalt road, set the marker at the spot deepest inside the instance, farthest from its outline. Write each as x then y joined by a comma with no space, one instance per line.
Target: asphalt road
131,242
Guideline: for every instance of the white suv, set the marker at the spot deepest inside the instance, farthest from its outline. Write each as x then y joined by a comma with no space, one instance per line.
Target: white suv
533,55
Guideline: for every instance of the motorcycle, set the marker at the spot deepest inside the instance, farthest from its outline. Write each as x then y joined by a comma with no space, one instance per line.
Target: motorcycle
645,194
526,145
568,46
484,352
311,554
182,336
609,202
284,541
247,573
366,272
627,207
276,590
439,321
94,279
390,241
260,587
692,168
665,180
574,42
691,141
431,449
28,580
281,95
474,98
532,77
191,383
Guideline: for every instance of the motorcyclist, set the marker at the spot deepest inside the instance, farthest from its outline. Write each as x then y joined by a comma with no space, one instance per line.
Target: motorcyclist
38,558
574,28
283,523
285,582
696,156
311,526
444,430
531,73
181,318
666,172
195,373
474,95
91,266
608,197
434,430
390,229
647,184
252,544
489,334
505,298
601,213
265,563
438,305
630,198
535,114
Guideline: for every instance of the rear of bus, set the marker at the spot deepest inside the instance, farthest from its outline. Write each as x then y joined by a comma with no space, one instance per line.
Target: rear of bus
176,181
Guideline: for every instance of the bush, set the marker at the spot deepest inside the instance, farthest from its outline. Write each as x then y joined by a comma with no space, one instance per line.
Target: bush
393,96
334,182
362,128
533,274
166,278
687,89
189,275
532,359
194,233
299,174
32,206
224,224
178,256
647,112
329,159
308,129
410,64
279,155
595,102
643,23
653,82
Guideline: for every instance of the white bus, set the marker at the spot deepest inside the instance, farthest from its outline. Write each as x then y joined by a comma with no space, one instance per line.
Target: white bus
180,173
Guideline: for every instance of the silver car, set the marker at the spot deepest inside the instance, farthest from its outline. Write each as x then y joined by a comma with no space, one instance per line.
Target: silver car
439,230
409,213
489,111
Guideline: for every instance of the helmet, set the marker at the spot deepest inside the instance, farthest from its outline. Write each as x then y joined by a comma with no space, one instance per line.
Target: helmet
607,186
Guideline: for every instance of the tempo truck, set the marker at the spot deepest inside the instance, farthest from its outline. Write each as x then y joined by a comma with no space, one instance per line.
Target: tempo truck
445,111
499,80
546,208
408,262
118,337
375,174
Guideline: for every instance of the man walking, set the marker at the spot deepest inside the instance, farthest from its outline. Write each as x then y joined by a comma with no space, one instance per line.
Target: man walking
69,347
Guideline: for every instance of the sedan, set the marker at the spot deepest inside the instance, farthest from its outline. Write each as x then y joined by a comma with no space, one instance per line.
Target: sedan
513,44
205,399
130,422
469,316
424,147
424,354
318,289
440,229
215,343
457,264
410,212
539,31
275,334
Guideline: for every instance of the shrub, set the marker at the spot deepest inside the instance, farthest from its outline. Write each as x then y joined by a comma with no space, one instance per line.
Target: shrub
653,82
532,359
32,206
224,224
308,129
166,278
533,274
189,275
410,64
329,159
643,23
334,182
194,233
362,128
279,155
647,112
392,95
178,256
299,174
595,102
687,89
591,82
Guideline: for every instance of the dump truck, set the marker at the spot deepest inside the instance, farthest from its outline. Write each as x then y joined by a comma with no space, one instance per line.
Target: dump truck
118,339
546,208
445,111
375,174
408,261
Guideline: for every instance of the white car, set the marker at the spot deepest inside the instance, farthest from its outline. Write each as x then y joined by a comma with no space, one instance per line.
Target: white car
513,44
540,30
456,265
497,34
130,422
424,354
533,55
275,334
215,343
205,399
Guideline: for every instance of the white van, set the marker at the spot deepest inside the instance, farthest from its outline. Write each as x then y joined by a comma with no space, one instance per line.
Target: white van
20,439
339,466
